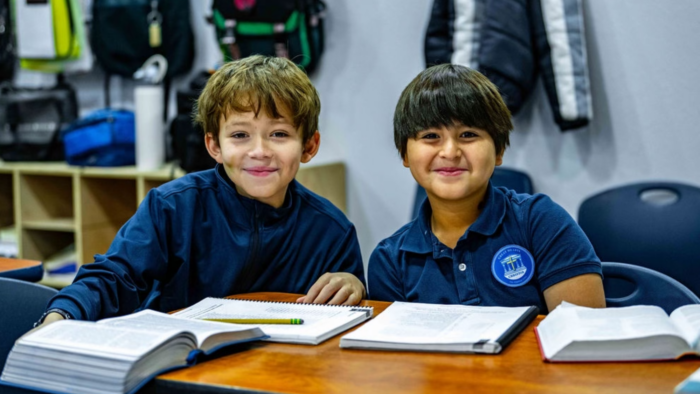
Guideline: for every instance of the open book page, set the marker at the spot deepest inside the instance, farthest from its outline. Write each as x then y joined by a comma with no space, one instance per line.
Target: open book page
687,319
85,338
157,321
318,319
568,323
428,323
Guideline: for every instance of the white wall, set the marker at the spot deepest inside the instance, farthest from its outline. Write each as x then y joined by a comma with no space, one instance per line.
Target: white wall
643,57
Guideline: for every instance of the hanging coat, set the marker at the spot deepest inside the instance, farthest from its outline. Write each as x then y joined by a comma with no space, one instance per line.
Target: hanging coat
514,41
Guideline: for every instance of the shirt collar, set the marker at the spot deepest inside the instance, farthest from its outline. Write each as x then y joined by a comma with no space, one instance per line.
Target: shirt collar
419,238
492,214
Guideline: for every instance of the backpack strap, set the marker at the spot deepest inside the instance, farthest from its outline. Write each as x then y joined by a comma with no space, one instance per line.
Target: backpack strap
280,37
108,77
229,39
167,83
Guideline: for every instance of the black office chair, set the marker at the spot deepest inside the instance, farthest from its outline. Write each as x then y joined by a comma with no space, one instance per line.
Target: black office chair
627,284
654,225
507,177
21,304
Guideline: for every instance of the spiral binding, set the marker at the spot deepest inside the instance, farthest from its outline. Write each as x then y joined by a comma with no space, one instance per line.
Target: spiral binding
364,308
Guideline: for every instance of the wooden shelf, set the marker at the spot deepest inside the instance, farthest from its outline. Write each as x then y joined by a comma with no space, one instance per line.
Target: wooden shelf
57,281
57,224
40,244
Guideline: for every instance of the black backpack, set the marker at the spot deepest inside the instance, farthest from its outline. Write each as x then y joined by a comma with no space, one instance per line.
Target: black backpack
121,34
283,28
32,120
7,51
188,138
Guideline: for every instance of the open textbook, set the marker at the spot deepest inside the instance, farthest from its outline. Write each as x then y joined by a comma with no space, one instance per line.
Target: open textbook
690,385
116,355
574,333
320,321
445,328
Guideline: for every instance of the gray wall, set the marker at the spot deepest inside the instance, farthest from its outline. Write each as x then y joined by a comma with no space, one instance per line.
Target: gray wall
643,57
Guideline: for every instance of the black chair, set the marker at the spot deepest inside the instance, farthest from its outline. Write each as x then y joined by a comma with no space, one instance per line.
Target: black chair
507,177
654,225
21,304
627,284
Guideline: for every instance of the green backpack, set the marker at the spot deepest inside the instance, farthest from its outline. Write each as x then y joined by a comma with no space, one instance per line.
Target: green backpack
283,28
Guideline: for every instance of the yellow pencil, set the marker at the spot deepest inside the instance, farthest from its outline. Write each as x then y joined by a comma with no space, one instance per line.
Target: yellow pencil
258,321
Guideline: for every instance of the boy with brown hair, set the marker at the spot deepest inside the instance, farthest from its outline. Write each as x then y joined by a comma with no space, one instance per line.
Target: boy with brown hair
244,226
473,243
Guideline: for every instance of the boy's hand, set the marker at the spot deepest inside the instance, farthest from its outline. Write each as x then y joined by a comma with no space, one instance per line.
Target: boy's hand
50,318
337,288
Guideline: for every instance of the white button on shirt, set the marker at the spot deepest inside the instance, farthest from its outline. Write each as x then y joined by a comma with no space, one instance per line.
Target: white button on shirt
462,267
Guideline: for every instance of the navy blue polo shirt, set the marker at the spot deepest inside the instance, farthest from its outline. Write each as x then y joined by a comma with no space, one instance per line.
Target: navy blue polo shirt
413,265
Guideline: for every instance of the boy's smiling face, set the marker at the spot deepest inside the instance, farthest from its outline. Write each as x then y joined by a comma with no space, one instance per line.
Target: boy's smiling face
452,163
261,155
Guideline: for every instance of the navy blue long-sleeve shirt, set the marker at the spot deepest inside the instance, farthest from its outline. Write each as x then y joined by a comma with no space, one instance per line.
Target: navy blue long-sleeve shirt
196,237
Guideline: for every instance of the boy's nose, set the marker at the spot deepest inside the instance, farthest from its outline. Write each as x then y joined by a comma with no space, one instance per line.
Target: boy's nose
450,149
259,150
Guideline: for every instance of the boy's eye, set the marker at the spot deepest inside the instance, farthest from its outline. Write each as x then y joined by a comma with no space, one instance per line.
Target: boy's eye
238,135
468,134
429,136
280,134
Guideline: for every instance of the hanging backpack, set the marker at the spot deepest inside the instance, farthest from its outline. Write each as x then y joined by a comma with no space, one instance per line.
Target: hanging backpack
127,32
47,30
188,138
7,51
282,28
32,120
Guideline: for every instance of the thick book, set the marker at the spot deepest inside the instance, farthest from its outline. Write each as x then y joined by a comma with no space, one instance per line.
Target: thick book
116,355
573,333
321,322
441,328
690,385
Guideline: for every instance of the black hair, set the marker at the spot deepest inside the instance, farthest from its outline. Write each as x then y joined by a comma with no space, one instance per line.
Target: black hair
449,94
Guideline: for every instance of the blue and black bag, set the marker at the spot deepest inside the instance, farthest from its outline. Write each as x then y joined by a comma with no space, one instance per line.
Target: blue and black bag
105,138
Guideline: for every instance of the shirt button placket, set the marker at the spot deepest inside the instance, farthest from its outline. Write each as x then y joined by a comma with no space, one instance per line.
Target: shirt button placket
461,276
466,273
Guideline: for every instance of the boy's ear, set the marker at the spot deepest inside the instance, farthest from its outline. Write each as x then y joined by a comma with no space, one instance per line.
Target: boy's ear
311,147
499,159
213,147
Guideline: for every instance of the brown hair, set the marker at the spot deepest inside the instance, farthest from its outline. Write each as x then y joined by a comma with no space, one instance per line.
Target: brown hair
447,94
259,83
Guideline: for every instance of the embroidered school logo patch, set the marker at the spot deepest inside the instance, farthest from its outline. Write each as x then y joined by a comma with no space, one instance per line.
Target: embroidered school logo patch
513,265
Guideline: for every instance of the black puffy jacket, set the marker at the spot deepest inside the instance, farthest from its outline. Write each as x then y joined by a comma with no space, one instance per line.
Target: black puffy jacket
511,42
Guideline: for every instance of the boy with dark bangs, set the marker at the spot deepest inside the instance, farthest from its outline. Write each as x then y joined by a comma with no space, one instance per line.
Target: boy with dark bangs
473,243
245,226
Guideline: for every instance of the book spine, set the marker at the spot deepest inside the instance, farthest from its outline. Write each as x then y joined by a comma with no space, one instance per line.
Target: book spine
517,327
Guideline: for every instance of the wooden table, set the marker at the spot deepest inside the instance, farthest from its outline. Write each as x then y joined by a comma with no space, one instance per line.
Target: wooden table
275,367
27,270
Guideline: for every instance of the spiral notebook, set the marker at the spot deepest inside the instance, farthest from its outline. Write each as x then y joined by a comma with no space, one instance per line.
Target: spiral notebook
321,322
